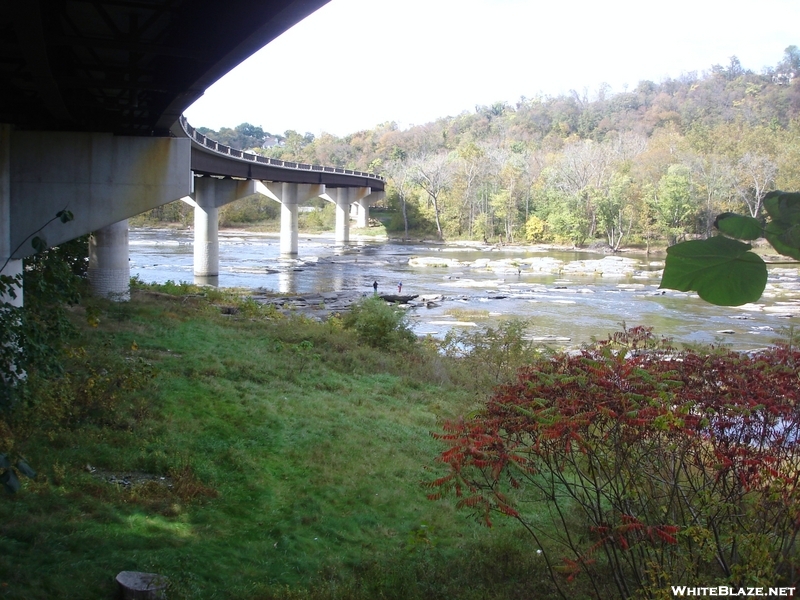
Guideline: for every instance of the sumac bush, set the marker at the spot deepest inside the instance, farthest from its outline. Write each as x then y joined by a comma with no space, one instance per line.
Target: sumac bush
634,462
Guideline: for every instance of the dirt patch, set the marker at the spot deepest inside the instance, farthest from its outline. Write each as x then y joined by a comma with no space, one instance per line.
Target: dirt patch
128,479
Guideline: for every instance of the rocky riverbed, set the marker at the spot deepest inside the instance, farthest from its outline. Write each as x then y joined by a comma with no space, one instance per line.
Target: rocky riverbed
472,299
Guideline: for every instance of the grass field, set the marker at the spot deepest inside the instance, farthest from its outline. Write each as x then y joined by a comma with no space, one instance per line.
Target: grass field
266,457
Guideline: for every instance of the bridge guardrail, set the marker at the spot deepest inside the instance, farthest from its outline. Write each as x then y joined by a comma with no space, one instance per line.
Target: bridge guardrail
207,142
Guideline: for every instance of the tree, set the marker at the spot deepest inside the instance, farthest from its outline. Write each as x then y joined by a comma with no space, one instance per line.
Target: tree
567,220
534,229
379,324
294,143
32,336
470,166
713,177
249,136
509,169
673,202
787,158
401,177
433,173
584,166
734,69
756,174
791,61
615,210
242,137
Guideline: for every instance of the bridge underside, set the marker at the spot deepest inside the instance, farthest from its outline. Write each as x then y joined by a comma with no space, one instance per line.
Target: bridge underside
130,68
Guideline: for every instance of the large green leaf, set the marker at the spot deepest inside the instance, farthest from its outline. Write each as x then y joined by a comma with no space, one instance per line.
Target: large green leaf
65,215
784,240
9,481
24,468
738,226
783,232
722,271
39,244
783,207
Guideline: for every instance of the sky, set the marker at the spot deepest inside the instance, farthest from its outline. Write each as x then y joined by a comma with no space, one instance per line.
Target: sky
355,64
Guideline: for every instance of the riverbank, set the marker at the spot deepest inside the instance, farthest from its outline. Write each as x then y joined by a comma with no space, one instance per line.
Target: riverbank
569,297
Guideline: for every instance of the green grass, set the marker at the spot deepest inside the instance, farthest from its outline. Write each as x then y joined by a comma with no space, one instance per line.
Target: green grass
376,231
463,314
295,455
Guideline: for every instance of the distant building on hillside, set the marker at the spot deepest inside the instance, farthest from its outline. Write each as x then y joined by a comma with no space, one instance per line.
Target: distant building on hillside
271,141
783,78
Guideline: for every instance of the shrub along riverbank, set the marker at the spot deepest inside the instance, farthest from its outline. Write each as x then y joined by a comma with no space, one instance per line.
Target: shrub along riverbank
249,455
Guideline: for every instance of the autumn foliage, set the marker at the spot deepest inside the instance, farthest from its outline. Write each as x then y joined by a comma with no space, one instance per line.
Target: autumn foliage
636,463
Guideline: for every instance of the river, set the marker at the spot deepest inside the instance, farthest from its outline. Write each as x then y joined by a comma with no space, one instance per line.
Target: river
568,305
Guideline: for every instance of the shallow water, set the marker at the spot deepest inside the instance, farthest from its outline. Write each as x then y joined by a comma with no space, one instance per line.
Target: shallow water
570,308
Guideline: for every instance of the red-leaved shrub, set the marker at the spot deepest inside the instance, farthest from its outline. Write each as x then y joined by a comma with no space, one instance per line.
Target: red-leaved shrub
635,461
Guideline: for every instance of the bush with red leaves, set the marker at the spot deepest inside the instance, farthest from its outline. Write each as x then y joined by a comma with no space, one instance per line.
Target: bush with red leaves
635,461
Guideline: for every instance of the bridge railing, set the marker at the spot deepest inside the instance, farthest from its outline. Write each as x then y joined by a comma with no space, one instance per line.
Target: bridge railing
207,142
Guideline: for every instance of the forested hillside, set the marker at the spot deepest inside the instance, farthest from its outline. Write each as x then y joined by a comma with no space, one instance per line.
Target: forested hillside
652,165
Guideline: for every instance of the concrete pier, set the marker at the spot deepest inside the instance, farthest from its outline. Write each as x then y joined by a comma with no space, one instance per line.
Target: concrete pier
343,198
362,207
290,196
109,271
206,228
8,266
210,193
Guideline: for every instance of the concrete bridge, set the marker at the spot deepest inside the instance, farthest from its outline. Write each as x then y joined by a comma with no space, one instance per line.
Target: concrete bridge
91,104
223,175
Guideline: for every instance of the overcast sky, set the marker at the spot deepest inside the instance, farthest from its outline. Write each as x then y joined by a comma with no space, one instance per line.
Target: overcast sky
357,63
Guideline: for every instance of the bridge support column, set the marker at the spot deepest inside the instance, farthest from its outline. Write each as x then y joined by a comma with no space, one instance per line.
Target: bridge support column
109,271
343,198
362,207
357,211
289,226
290,195
10,372
342,232
206,228
209,194
10,267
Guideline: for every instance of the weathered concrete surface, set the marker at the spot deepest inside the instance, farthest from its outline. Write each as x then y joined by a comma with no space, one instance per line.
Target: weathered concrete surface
12,268
100,178
109,270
